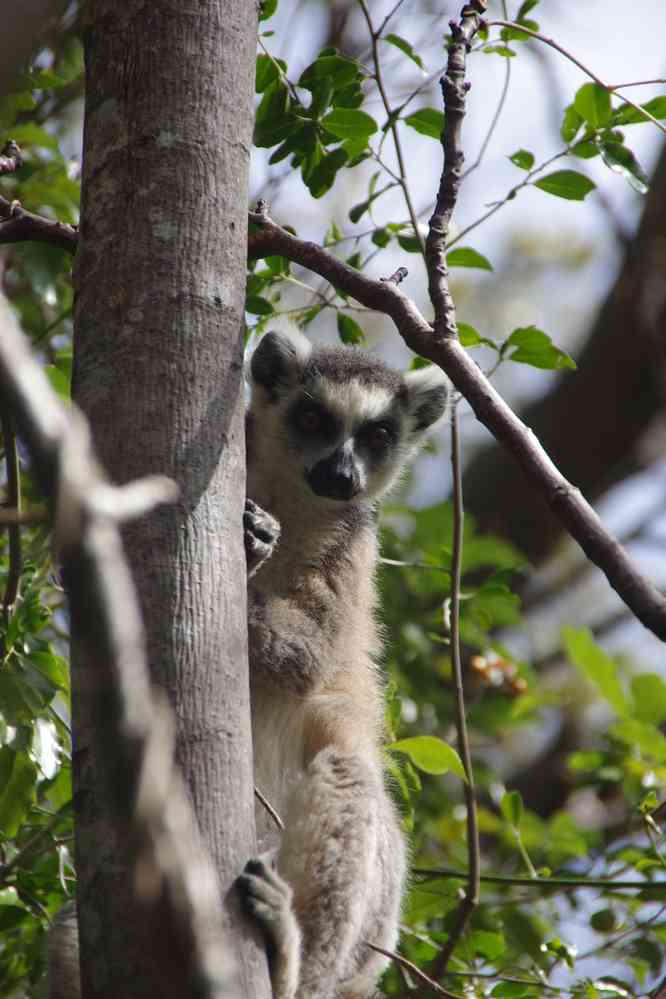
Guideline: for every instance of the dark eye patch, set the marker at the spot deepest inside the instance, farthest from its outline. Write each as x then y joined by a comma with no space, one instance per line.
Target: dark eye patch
377,434
310,418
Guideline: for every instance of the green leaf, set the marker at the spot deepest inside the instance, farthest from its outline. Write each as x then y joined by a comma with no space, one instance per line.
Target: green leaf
320,179
431,755
18,788
335,69
643,736
267,72
487,944
29,134
617,157
566,184
603,921
626,115
523,159
408,241
349,330
586,149
427,121
511,807
381,237
597,666
511,990
504,50
359,210
571,123
593,104
525,8
465,256
258,306
350,123
535,347
405,47
267,8
649,693
470,337
274,121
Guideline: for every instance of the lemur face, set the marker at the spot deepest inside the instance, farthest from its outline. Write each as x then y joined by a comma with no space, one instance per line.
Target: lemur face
337,420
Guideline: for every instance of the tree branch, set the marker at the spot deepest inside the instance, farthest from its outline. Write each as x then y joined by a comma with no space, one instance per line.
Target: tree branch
17,225
176,884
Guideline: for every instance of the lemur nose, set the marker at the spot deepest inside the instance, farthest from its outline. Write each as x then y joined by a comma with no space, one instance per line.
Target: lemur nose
335,476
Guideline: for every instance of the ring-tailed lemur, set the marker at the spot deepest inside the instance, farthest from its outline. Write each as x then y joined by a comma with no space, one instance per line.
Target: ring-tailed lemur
329,431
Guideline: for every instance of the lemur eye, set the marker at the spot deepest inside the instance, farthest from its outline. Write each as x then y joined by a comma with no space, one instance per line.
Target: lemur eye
377,438
309,420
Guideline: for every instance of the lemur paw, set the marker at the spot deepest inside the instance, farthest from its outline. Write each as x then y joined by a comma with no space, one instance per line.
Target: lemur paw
262,532
267,897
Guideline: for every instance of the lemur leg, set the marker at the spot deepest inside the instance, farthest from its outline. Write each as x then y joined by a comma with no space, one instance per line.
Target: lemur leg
330,853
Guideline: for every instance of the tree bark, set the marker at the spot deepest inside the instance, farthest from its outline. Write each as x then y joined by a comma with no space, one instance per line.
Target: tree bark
158,371
593,420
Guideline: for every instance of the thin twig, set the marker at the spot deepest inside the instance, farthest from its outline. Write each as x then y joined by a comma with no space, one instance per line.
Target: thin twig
14,502
26,518
416,971
392,124
610,884
572,58
269,808
471,899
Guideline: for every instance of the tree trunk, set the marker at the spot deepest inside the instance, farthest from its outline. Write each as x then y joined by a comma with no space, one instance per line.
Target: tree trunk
593,420
158,371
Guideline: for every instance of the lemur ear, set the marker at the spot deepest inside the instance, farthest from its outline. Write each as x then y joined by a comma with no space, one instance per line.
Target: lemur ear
428,394
280,355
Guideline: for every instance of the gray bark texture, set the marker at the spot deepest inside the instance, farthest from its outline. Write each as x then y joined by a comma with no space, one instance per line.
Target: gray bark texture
158,371
592,422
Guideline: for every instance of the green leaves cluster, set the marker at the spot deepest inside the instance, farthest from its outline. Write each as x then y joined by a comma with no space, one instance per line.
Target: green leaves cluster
317,122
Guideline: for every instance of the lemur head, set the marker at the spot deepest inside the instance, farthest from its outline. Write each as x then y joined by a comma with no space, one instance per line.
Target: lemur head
336,422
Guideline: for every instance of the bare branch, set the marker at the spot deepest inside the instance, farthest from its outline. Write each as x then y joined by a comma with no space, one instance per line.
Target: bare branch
565,501
471,899
176,884
17,225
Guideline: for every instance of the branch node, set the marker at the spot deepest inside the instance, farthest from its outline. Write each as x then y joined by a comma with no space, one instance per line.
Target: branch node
397,276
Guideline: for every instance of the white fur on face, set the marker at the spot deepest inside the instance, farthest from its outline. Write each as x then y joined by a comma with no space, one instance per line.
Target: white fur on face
353,403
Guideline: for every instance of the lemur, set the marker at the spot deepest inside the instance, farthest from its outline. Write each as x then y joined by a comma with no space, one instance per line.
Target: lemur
329,431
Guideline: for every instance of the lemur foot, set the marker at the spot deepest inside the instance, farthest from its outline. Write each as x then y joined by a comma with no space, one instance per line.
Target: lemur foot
267,897
262,532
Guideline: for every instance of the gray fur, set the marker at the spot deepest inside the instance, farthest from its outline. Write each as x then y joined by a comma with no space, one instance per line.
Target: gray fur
317,696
